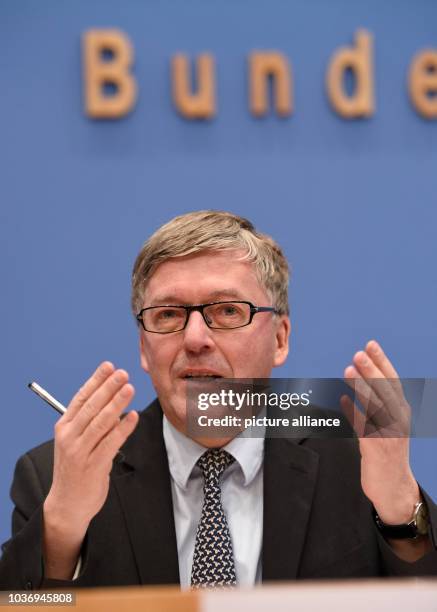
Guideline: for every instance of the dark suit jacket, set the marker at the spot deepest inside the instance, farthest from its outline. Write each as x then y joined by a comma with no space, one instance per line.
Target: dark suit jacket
317,522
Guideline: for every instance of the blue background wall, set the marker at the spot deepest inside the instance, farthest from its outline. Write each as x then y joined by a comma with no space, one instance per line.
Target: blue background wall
352,202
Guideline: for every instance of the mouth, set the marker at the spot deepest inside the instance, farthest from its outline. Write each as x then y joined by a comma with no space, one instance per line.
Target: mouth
195,375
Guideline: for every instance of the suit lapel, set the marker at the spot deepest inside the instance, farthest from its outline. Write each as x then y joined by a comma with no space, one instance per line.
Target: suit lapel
142,482
290,474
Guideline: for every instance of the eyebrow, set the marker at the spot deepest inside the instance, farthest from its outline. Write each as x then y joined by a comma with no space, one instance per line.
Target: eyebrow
219,294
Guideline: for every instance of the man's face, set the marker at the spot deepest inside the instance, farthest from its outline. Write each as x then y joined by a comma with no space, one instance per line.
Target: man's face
246,352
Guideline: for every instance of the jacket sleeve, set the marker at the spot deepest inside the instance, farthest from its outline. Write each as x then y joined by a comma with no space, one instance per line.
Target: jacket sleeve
21,565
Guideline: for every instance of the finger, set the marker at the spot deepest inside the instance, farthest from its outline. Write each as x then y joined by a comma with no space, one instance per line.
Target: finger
361,425
363,392
106,419
375,352
356,418
97,401
366,366
379,418
109,445
377,381
102,373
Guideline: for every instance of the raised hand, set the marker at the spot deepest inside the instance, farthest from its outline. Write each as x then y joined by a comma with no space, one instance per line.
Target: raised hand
383,433
383,430
87,438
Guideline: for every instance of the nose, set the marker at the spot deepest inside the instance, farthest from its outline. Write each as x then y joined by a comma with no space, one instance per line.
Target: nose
197,335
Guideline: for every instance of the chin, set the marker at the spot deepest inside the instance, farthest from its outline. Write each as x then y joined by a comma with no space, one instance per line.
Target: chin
175,410
212,442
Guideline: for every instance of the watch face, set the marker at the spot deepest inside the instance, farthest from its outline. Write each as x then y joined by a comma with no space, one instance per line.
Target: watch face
422,519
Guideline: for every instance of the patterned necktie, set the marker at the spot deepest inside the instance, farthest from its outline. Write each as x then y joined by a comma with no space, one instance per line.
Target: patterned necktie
213,560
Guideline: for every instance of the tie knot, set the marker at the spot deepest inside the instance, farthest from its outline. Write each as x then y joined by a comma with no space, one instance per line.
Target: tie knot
214,462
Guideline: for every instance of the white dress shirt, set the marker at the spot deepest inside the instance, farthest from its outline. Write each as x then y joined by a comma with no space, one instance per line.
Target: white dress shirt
242,500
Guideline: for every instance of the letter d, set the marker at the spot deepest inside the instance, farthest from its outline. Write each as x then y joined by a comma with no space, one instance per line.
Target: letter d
359,60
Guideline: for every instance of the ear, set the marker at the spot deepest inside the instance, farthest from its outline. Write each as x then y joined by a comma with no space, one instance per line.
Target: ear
283,329
143,357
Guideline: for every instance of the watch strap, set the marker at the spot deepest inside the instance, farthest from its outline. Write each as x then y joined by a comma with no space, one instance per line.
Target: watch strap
417,526
397,532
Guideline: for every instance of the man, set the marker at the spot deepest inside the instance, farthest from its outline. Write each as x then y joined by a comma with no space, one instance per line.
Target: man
210,296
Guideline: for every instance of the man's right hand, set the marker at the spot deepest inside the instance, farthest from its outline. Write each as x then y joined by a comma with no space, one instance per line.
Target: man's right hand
87,438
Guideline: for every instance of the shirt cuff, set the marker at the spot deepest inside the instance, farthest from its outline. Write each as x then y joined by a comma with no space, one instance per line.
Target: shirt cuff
78,568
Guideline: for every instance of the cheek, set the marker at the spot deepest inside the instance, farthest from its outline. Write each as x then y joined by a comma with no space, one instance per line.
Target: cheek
263,340
159,357
260,351
252,352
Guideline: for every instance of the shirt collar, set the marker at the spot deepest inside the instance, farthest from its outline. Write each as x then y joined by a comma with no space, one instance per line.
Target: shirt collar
183,453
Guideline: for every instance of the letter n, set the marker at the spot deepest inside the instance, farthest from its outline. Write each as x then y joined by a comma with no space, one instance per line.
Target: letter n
263,66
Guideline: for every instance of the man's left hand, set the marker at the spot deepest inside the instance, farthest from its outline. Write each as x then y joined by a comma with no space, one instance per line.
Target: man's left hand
386,476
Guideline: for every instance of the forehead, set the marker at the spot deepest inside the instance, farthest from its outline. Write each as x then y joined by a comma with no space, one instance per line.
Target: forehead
202,277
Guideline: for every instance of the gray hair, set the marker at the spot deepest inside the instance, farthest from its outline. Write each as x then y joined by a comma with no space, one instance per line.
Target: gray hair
213,230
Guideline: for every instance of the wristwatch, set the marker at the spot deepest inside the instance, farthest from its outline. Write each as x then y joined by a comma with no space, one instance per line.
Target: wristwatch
418,525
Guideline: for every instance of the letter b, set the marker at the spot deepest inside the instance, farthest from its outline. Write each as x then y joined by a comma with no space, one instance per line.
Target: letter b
114,71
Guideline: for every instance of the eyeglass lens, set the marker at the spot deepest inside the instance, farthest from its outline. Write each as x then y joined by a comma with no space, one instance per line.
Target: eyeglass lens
226,315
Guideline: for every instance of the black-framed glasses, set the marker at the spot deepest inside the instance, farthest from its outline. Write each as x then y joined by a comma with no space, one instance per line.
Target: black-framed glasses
170,318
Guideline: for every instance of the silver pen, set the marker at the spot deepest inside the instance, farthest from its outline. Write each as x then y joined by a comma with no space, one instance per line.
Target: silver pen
45,395
53,402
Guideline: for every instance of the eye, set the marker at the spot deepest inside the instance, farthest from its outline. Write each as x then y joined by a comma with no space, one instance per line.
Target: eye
167,314
229,310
